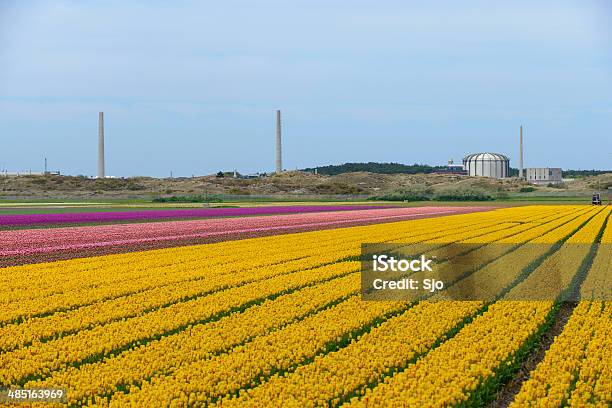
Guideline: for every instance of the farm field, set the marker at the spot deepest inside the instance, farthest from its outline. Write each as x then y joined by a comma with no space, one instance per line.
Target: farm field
267,314
36,245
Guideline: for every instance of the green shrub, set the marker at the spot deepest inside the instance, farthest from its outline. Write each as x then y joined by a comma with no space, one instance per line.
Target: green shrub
528,189
338,188
135,187
502,195
200,198
400,197
462,194
558,185
239,191
412,193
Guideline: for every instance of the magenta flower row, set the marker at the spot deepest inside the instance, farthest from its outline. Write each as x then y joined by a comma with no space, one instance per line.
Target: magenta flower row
40,241
141,215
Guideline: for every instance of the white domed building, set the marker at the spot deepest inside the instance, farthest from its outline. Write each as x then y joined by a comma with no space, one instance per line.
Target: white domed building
487,165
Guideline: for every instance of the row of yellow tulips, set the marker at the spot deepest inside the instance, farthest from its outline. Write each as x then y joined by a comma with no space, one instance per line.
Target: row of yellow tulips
597,284
549,384
594,384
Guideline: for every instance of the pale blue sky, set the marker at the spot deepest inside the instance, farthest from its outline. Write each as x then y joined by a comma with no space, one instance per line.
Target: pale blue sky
192,86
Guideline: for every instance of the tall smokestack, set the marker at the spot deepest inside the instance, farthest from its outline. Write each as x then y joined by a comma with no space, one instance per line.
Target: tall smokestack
279,156
521,155
101,145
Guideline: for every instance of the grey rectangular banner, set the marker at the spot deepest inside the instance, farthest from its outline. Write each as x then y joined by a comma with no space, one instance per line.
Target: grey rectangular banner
486,272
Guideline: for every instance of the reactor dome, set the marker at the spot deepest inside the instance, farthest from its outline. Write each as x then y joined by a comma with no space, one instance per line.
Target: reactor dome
487,165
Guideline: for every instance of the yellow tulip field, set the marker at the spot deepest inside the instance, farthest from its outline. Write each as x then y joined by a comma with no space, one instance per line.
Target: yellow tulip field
279,320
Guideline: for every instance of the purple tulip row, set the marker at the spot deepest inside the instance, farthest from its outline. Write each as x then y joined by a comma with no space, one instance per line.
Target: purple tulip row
92,217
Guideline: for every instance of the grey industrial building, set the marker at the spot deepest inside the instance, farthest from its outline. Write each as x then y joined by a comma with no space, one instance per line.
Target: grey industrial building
544,175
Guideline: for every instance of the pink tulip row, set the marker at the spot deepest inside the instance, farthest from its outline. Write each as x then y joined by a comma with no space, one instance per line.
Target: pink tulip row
41,241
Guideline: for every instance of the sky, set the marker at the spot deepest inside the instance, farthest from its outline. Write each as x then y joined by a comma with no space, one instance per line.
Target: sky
191,87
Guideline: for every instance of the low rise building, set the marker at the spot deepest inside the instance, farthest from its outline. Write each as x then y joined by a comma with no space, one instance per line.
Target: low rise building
451,168
544,175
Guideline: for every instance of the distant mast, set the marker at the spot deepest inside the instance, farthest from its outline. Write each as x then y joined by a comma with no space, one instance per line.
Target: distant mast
101,173
521,155
279,157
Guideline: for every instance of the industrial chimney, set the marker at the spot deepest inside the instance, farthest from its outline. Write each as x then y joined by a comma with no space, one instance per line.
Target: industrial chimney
101,145
279,156
521,155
